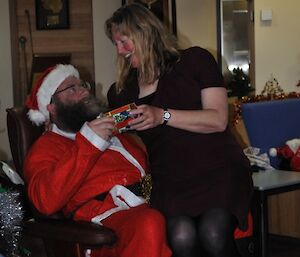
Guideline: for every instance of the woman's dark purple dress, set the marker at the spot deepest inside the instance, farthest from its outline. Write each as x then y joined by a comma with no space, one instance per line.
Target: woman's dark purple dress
191,172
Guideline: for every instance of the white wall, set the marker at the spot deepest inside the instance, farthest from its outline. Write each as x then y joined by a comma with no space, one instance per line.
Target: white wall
196,24
104,51
6,85
277,44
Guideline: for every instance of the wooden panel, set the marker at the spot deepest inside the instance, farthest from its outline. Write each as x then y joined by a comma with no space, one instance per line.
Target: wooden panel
77,40
284,213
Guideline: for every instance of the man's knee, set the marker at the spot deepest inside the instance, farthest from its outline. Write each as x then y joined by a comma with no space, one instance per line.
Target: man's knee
151,221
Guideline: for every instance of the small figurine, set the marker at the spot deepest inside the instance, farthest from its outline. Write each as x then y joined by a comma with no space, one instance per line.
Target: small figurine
289,152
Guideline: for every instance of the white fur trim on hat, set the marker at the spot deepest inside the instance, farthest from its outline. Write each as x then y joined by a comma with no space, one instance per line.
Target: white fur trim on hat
36,117
51,82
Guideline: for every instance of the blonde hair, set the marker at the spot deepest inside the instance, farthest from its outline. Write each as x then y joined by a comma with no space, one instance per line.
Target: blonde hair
155,47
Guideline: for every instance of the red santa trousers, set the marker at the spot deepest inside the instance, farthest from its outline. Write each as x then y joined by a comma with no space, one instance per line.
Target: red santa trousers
140,231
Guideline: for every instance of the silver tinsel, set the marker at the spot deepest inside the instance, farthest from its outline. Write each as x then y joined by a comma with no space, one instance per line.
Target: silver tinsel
11,215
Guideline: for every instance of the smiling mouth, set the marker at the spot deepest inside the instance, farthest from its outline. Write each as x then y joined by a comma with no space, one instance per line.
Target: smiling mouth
128,55
86,99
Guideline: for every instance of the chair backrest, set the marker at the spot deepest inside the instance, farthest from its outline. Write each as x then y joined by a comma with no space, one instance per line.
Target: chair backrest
21,133
272,123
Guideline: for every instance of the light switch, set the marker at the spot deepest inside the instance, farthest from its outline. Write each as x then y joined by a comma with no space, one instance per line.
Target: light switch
266,15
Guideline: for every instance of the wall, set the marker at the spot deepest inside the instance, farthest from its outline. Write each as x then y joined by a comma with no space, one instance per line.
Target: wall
104,50
196,24
277,44
6,95
198,29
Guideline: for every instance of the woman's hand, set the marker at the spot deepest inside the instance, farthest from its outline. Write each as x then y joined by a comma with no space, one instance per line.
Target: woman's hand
103,127
146,117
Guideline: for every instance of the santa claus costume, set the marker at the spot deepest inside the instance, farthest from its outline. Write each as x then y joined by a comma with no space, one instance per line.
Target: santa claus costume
87,177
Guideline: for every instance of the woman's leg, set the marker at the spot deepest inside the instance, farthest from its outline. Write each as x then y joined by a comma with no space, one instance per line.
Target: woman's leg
216,233
182,236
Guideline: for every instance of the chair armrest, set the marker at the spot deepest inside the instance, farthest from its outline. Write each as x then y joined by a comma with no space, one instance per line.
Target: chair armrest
82,232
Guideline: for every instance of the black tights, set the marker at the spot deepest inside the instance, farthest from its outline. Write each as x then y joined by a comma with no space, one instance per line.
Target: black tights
209,235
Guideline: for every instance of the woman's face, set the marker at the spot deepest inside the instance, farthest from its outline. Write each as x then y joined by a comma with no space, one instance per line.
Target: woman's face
125,47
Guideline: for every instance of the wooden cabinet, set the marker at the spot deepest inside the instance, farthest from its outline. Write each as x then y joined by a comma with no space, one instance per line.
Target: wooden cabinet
284,213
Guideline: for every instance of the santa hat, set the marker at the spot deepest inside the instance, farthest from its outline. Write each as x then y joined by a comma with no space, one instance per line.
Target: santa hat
43,90
288,150
285,152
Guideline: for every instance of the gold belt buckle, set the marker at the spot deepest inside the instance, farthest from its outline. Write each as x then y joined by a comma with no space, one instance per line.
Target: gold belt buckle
146,187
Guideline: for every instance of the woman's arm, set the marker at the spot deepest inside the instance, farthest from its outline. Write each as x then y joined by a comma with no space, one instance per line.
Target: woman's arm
213,117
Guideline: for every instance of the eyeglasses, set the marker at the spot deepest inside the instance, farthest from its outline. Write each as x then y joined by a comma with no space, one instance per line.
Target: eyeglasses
72,89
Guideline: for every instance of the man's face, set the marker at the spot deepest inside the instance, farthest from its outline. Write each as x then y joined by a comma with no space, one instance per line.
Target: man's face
74,105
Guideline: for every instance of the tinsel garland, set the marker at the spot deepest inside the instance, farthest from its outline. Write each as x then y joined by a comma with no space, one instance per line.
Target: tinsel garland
258,98
11,216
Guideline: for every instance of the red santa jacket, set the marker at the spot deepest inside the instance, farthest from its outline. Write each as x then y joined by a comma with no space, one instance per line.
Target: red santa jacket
66,171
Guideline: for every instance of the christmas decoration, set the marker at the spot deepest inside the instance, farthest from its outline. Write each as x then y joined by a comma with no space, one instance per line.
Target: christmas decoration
290,152
240,84
258,98
11,216
272,88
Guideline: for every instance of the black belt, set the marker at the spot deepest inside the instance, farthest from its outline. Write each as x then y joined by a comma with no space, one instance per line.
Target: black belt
134,188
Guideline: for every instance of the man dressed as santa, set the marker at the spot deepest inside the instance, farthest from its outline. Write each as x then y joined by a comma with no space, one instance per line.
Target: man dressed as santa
80,168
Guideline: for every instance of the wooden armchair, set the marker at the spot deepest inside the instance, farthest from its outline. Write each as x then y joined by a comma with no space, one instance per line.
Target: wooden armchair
61,237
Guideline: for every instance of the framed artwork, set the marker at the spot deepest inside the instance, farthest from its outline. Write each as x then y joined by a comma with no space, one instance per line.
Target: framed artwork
165,10
52,14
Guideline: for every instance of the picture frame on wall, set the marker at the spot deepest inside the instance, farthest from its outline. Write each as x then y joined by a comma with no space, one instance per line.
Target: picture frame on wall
165,10
52,14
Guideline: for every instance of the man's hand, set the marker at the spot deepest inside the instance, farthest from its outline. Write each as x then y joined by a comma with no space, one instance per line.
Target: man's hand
103,127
